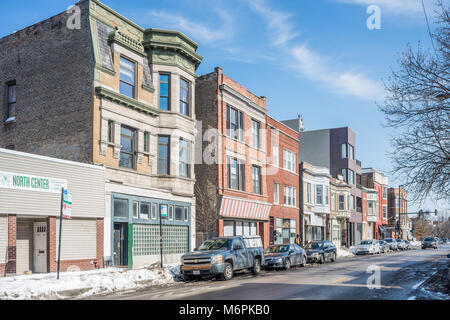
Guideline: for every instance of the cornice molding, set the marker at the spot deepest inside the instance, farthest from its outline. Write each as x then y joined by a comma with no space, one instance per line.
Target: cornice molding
228,89
126,101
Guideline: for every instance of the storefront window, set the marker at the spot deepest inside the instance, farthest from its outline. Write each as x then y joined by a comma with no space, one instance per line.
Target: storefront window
121,208
239,227
228,228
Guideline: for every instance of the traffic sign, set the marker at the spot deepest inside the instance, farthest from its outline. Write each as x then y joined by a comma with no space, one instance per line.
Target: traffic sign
67,204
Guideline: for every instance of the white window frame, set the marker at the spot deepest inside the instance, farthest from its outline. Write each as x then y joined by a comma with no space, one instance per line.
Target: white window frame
276,155
289,160
319,186
276,193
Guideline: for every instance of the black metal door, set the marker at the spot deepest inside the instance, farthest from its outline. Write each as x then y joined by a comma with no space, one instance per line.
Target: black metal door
121,244
117,244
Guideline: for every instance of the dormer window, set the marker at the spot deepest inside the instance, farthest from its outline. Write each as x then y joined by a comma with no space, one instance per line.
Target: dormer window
127,77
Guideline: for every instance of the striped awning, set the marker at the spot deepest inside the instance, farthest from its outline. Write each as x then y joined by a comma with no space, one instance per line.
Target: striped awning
245,209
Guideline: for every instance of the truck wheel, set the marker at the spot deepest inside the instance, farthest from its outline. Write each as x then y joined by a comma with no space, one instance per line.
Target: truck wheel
188,277
256,267
228,273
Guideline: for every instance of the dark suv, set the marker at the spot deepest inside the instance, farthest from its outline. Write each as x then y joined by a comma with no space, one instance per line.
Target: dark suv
321,251
430,242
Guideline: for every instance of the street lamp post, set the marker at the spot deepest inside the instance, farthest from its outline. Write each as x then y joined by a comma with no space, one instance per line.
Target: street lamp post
400,187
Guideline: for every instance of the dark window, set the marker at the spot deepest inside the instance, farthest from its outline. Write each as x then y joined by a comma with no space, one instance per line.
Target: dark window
185,156
111,131
11,107
236,173
146,142
164,91
164,155
145,210
348,151
127,77
127,152
121,208
256,179
235,124
184,97
256,137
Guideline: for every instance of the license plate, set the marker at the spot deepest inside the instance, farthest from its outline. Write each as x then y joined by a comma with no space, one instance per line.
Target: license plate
196,272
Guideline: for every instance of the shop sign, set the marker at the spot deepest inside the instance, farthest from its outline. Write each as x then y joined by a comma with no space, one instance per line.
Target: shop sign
18,181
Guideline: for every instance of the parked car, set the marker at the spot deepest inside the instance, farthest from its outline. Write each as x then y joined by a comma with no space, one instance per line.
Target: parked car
284,256
445,240
407,244
401,244
223,256
384,246
393,246
320,251
368,247
430,242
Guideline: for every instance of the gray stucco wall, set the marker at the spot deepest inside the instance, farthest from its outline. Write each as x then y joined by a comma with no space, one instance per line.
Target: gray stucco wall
315,147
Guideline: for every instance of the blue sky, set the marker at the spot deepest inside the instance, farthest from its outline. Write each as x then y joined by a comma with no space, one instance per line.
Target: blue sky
310,57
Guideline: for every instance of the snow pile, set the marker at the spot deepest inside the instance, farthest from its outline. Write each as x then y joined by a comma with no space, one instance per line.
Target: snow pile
344,252
82,284
415,244
353,250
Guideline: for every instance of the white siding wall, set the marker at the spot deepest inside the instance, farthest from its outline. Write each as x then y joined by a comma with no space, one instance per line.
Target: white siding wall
79,239
86,182
3,238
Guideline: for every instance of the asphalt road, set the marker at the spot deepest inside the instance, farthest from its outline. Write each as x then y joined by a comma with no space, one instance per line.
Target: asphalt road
400,273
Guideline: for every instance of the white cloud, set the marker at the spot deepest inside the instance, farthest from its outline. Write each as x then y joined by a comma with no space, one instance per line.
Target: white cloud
318,69
398,7
311,65
196,30
283,30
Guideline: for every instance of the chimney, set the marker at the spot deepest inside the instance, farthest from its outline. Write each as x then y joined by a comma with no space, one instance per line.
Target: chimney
301,126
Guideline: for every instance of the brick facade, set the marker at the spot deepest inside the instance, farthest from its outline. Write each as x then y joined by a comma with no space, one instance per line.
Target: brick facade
12,240
215,91
52,66
286,139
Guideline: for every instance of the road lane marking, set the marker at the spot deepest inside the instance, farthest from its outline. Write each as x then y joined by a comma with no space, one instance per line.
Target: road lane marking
340,280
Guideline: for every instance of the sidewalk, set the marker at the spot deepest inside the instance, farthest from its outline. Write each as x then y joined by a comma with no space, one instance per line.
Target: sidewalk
85,283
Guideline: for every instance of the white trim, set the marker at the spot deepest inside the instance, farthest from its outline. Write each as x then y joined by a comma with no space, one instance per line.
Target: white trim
39,157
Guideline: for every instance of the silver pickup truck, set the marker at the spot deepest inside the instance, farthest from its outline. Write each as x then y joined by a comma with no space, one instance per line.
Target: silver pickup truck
223,256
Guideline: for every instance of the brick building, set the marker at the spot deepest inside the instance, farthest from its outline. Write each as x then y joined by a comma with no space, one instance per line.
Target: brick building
232,188
282,183
398,204
112,93
377,196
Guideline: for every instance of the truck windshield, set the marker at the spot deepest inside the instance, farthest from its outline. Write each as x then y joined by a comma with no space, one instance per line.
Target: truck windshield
215,244
277,249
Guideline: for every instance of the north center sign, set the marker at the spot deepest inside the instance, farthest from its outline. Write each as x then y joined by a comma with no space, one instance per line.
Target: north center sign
18,181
